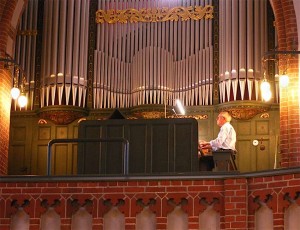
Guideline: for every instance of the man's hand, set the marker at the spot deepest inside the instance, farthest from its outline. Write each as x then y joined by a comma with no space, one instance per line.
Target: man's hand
204,145
204,148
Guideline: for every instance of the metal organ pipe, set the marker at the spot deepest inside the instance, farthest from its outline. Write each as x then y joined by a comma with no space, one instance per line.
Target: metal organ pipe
64,67
146,63
243,62
157,59
250,32
235,34
25,46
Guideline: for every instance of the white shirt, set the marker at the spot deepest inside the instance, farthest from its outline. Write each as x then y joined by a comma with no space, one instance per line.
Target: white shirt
226,138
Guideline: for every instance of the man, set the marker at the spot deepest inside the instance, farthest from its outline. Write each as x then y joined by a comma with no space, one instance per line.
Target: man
226,140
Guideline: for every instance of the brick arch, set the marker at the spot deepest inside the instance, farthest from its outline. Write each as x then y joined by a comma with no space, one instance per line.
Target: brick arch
286,28
286,25
10,13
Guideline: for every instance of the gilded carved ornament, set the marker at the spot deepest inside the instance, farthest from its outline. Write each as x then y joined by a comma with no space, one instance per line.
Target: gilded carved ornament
42,122
265,115
197,117
157,115
62,115
245,111
28,32
154,15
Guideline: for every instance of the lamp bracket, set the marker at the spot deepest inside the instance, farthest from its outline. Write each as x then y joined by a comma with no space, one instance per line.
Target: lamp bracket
268,55
9,61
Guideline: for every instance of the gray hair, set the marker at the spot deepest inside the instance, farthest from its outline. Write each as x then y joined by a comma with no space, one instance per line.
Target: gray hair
226,115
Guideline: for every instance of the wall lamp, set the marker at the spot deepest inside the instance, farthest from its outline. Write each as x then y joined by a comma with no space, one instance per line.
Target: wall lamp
18,90
275,56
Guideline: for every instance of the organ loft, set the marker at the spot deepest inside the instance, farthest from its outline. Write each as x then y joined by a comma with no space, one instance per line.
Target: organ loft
110,99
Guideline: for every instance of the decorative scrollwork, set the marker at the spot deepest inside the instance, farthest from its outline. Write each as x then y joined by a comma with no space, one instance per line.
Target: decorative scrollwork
28,32
154,15
245,113
62,115
197,117
246,110
265,115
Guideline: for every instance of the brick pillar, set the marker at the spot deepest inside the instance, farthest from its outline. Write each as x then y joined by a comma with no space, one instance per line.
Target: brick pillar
235,204
4,96
4,118
289,122
289,97
9,15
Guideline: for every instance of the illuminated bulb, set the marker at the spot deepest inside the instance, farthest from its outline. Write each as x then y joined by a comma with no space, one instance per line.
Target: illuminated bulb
266,95
284,80
22,101
265,86
15,93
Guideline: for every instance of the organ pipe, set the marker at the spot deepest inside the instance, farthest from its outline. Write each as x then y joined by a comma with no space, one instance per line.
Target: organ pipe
25,47
145,62
241,47
157,58
65,42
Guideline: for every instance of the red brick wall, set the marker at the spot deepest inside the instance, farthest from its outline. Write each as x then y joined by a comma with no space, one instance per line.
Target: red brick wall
235,203
4,118
289,99
236,199
5,15
7,8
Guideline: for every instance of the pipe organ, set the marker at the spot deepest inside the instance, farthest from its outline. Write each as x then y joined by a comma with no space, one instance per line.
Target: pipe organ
243,42
64,56
141,62
153,62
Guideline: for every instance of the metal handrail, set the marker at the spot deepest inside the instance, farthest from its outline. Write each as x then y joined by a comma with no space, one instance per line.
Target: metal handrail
84,140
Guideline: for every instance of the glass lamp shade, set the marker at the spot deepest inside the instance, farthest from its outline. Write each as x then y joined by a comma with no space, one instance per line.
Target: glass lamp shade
284,80
15,93
265,86
266,95
22,101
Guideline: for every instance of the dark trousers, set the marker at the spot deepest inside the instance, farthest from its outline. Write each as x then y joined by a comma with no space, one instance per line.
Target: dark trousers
206,163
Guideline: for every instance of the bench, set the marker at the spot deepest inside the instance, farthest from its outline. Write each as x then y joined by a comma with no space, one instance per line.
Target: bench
224,160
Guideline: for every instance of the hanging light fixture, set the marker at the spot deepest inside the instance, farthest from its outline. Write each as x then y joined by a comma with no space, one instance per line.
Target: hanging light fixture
285,55
15,91
266,95
22,101
265,89
284,80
